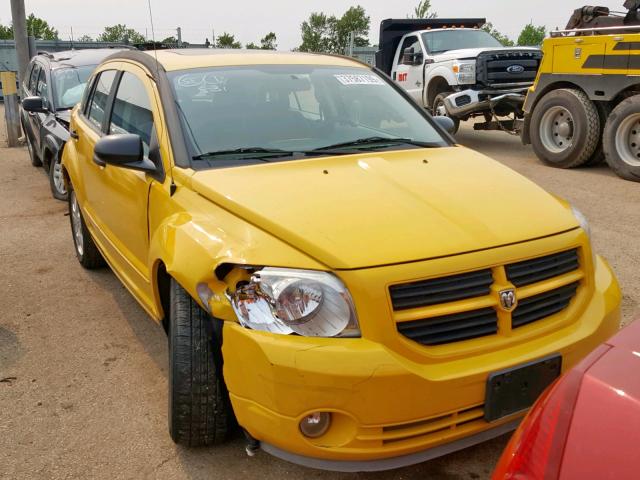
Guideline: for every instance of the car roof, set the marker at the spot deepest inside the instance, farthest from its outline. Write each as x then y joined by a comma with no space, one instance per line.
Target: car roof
185,58
78,58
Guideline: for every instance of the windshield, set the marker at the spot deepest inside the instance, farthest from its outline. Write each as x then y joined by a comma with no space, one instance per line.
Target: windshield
445,40
68,85
293,108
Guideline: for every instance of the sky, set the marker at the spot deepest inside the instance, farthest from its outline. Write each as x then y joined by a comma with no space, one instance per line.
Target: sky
250,20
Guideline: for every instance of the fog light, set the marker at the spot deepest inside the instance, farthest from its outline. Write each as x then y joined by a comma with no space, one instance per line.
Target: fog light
315,425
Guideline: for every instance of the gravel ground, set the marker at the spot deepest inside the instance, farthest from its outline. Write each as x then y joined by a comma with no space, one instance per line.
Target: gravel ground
83,371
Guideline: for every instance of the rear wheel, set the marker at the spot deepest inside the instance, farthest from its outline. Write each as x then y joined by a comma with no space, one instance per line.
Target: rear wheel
88,254
35,161
604,110
199,409
622,139
439,110
565,128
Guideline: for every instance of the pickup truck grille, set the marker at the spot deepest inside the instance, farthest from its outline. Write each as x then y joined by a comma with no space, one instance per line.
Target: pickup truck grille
466,306
502,68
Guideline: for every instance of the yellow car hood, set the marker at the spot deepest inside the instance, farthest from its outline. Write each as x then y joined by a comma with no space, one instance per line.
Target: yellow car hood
384,208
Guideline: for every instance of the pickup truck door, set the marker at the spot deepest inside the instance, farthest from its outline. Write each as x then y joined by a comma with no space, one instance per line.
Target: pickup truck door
409,67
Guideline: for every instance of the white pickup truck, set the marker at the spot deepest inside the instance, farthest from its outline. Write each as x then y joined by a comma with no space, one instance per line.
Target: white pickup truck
453,68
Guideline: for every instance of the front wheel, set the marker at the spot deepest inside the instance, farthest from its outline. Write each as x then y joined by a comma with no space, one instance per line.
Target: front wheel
622,139
199,409
565,128
56,179
439,110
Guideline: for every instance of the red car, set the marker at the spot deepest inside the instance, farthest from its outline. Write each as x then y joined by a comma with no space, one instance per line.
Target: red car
587,424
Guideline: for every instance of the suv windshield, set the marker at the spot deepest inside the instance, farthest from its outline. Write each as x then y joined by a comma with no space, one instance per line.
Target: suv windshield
68,85
445,40
275,110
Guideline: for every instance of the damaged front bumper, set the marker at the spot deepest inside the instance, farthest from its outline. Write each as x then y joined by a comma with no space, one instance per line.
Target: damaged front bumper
468,102
387,410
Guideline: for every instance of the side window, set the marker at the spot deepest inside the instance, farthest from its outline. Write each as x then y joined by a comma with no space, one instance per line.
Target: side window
33,80
41,89
87,94
98,105
409,42
131,111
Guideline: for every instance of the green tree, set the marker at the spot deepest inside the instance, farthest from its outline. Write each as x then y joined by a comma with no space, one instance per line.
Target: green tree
354,20
40,29
6,33
85,38
268,42
503,39
423,10
170,40
120,34
532,36
227,40
323,33
318,33
252,46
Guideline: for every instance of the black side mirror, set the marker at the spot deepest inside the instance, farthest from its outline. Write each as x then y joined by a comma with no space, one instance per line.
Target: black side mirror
407,56
418,58
34,105
122,150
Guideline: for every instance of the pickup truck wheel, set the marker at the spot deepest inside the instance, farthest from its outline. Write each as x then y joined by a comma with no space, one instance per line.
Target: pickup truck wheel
88,254
439,110
622,139
35,161
56,179
199,408
565,128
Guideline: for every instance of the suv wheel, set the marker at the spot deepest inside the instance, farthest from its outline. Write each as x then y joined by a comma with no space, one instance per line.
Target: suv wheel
439,110
88,254
199,408
565,128
622,139
35,161
56,179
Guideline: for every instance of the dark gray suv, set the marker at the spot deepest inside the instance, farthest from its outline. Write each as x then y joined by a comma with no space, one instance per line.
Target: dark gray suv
53,85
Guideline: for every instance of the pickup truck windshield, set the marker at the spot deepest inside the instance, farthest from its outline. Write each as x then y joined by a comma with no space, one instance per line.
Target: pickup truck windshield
68,85
293,108
445,40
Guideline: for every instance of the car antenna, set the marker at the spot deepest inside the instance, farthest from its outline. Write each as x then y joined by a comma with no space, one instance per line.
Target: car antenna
172,187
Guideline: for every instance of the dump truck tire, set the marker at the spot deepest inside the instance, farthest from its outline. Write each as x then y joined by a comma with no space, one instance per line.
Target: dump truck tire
604,110
565,128
622,139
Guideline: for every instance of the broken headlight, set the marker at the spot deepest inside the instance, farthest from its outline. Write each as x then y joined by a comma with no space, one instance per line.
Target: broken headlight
303,302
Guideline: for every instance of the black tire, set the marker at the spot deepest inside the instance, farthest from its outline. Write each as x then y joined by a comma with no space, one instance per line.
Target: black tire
438,102
623,156
604,110
574,145
88,254
199,409
56,180
35,161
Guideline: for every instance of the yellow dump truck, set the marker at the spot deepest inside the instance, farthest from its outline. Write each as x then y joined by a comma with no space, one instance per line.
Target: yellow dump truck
584,106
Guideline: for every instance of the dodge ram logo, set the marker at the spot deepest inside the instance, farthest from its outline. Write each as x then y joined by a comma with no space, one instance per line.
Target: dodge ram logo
515,69
508,300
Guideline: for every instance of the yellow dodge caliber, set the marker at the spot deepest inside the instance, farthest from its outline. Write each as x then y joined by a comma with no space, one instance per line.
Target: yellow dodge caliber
333,272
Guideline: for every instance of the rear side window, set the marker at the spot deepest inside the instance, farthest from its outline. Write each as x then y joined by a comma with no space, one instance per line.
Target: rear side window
131,111
100,97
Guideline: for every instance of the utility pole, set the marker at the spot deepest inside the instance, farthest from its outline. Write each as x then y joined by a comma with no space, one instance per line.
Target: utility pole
352,39
19,22
179,37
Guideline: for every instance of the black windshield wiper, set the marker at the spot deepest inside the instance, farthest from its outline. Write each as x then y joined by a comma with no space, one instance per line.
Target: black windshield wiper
253,152
374,142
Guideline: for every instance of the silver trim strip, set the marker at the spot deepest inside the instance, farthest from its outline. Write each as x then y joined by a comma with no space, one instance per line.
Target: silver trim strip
391,463
559,33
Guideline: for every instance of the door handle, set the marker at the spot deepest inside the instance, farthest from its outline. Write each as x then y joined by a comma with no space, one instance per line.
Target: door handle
73,134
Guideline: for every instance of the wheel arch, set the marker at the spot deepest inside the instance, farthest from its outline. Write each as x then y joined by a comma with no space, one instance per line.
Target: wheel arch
437,84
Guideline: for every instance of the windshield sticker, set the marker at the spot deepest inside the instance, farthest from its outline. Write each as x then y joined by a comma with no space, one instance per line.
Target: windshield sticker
365,79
